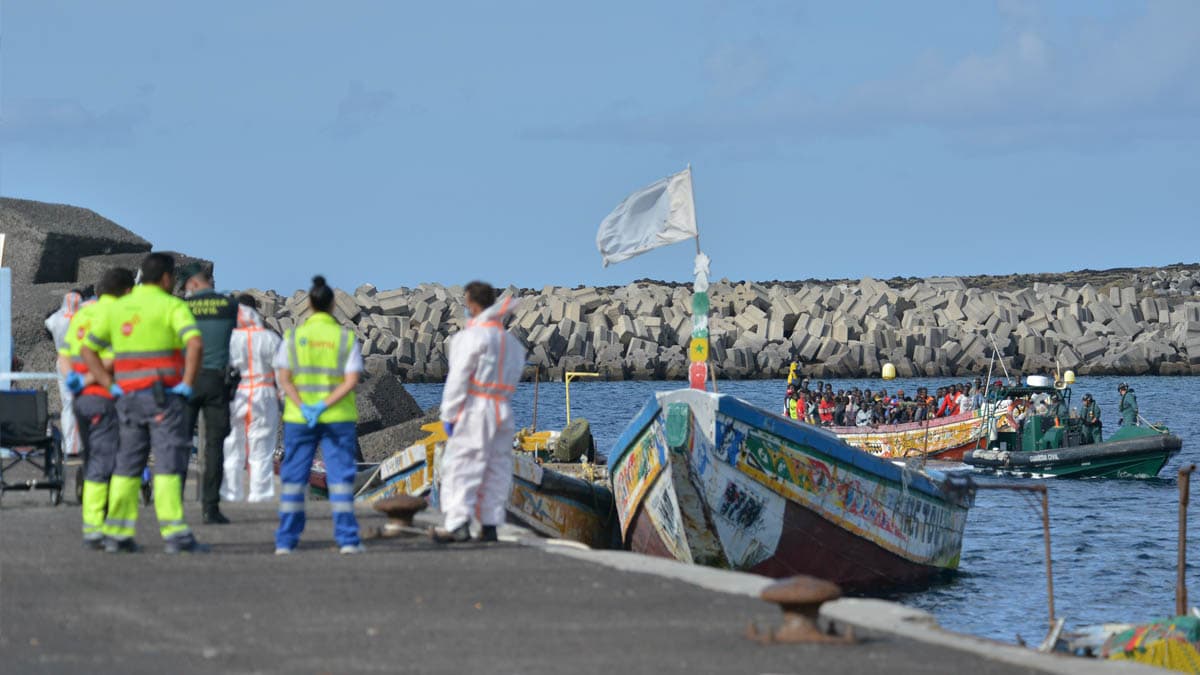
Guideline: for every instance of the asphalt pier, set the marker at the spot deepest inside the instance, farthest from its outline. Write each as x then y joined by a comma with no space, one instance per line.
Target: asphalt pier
406,605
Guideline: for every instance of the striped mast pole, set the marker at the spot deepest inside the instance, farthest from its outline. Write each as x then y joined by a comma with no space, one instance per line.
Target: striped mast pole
698,348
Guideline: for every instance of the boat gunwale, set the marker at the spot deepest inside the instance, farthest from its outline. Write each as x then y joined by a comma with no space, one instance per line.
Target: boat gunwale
890,429
991,458
632,430
561,496
877,468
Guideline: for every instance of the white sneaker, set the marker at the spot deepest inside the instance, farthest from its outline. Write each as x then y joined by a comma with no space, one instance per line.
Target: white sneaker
283,551
352,549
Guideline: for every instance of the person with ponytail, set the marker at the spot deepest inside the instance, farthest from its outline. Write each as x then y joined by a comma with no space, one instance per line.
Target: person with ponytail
317,367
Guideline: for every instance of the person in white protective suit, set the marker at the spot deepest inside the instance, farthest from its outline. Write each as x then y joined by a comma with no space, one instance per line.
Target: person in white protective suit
57,323
486,363
254,410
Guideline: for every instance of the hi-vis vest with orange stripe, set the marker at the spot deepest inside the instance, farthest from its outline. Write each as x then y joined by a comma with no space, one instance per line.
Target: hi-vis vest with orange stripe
81,324
317,354
146,330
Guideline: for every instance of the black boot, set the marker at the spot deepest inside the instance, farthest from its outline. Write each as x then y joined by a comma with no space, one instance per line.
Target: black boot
489,533
112,545
214,516
457,536
185,544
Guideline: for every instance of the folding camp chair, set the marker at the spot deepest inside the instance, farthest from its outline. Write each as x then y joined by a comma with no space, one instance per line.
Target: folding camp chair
26,431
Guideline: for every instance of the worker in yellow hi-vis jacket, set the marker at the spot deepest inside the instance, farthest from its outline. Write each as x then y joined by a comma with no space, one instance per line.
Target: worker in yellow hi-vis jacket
147,331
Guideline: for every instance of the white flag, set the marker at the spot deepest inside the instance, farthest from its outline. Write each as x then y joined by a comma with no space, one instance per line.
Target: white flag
659,214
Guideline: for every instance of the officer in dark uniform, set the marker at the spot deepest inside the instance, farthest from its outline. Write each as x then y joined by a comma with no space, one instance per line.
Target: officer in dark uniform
216,317
1128,406
1093,429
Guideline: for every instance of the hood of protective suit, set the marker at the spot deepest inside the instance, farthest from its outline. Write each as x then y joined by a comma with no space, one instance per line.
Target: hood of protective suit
71,302
499,311
248,317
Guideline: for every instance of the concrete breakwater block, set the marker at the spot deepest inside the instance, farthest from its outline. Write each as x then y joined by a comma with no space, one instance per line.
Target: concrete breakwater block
379,445
45,241
89,269
382,400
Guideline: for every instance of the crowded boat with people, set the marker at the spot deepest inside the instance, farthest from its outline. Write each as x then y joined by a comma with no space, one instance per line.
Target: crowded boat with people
1028,429
941,425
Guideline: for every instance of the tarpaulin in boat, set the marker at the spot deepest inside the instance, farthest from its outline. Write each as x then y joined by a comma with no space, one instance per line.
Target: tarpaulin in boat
1173,644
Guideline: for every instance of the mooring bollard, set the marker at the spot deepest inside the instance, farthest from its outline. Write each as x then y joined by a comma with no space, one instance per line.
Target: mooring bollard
400,511
800,598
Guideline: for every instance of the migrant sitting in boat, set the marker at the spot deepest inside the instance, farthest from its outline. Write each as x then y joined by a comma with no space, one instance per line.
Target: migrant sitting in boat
865,408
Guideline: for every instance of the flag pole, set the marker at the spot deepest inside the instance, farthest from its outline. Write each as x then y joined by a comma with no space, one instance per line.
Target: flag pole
700,345
694,218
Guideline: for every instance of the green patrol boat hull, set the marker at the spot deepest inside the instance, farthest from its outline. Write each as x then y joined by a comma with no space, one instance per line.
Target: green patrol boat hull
1132,452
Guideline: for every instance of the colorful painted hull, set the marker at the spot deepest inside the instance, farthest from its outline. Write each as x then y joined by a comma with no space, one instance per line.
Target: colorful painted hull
945,438
711,480
407,472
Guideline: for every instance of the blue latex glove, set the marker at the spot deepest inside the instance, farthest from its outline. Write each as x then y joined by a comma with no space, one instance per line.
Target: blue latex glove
312,413
116,390
74,383
448,427
182,389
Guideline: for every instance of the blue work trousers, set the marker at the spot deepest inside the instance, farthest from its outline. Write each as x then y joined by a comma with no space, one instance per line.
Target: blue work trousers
338,441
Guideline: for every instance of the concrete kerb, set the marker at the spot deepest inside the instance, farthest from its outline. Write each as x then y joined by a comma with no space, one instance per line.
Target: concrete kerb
708,578
868,617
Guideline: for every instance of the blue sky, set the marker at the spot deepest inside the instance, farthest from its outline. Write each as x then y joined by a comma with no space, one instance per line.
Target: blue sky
401,142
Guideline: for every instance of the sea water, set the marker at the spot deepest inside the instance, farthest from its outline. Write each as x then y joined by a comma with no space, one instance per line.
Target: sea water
1113,541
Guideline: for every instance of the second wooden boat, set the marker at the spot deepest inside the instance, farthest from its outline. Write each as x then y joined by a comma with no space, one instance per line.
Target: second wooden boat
943,438
546,498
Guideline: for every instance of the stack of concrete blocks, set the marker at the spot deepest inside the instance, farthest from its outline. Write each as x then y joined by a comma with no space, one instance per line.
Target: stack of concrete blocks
938,327
1110,322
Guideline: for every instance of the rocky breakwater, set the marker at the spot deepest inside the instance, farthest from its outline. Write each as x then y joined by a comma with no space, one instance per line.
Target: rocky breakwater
1122,321
1116,321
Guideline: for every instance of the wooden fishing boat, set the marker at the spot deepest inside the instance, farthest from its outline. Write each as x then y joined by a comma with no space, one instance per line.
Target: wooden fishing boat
407,472
942,438
1053,446
556,504
546,498
709,479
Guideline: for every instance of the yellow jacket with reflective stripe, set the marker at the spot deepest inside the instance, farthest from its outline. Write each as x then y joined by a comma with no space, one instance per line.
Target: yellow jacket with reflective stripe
77,332
88,314
317,354
147,330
